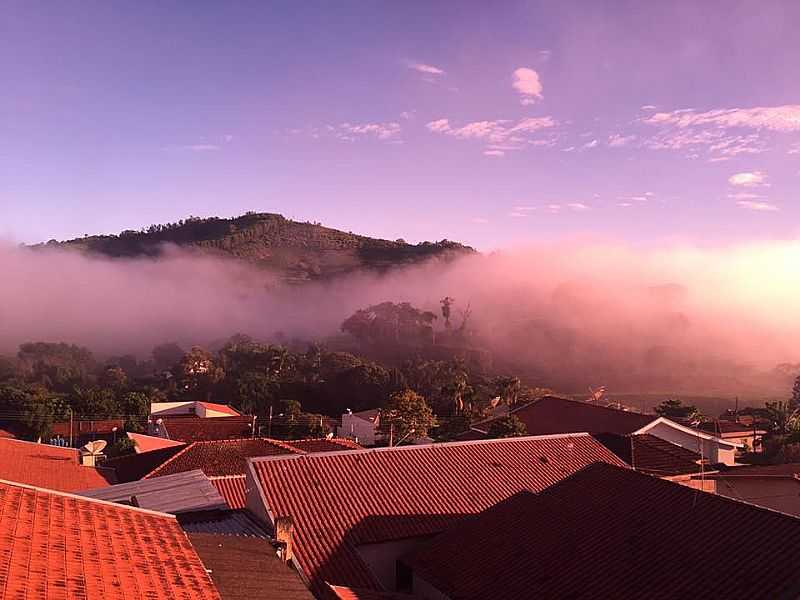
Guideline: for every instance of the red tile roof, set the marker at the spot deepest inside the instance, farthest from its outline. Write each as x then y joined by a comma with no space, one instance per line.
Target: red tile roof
229,457
194,429
342,499
57,546
652,455
146,443
550,415
49,467
232,488
608,532
347,593
721,428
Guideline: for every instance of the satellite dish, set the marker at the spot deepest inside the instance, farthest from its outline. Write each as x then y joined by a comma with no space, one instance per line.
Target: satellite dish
329,436
96,447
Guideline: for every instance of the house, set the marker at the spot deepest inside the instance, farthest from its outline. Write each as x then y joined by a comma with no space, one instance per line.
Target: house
748,436
610,532
51,467
228,557
651,455
772,486
194,429
80,432
203,410
59,545
362,426
552,415
183,492
350,515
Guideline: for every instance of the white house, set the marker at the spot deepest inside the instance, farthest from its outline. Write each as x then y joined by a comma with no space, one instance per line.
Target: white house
361,426
194,408
710,447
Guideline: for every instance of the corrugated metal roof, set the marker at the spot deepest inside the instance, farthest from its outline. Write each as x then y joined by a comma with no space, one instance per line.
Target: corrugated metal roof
222,522
183,492
339,500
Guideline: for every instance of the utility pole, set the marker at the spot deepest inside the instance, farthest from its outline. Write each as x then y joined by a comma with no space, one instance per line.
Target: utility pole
391,434
70,427
269,427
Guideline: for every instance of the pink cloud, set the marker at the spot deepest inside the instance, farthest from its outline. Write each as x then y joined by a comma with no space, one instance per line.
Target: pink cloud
526,81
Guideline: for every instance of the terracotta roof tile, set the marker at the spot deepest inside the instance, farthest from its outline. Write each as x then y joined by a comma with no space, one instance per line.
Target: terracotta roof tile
194,429
550,415
650,454
229,457
49,467
223,408
608,532
56,546
342,499
232,488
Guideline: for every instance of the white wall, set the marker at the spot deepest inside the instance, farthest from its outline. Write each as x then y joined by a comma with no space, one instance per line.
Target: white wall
162,409
710,449
356,427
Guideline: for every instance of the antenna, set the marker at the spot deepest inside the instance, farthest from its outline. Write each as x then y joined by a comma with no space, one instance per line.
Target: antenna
96,447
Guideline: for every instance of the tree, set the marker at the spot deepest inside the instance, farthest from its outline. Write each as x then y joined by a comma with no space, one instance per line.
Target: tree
198,373
795,401
447,303
781,417
166,356
673,408
390,322
58,366
405,414
507,427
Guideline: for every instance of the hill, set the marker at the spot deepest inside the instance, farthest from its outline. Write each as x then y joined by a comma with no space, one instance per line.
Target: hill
296,251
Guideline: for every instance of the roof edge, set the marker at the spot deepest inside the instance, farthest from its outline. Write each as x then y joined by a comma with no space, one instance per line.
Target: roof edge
154,513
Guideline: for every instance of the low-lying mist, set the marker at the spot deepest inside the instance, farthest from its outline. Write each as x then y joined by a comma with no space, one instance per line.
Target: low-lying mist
566,313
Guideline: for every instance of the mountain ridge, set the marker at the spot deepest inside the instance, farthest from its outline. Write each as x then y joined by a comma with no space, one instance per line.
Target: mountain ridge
297,251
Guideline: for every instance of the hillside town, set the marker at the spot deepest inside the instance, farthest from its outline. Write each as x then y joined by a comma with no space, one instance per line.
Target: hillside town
590,501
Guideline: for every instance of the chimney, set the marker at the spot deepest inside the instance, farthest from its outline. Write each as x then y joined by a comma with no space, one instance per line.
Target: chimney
284,527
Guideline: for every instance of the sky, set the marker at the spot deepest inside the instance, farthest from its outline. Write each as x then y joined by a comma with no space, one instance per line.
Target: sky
495,124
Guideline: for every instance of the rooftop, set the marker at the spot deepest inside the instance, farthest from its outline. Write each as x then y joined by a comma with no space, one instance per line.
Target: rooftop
550,414
222,522
232,488
610,532
193,429
49,467
146,443
183,492
132,467
785,471
229,457
244,568
340,500
650,454
57,545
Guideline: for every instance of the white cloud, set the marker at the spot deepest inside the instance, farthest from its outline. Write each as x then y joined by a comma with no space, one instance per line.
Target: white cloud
381,131
493,153
617,140
578,206
479,220
195,147
775,118
526,82
748,179
592,144
524,208
502,134
517,215
426,69
794,148
648,107
757,206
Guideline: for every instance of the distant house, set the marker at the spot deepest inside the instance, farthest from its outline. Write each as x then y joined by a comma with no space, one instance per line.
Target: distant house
608,532
57,545
80,431
351,515
199,409
653,456
51,467
188,428
553,415
747,435
772,486
362,427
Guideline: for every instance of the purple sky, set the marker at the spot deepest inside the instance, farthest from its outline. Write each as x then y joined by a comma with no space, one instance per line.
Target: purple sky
494,124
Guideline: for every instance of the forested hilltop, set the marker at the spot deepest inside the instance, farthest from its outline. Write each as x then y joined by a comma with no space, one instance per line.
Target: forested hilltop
297,251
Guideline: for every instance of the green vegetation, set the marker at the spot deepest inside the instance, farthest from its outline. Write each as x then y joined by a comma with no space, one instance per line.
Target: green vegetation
296,251
506,427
